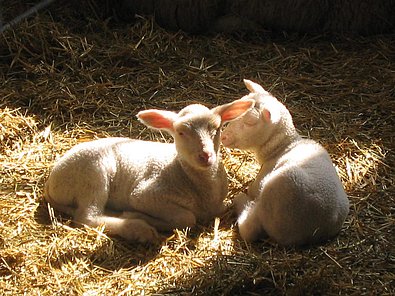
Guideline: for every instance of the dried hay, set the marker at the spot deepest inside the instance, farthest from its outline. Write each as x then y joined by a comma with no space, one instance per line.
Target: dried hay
65,79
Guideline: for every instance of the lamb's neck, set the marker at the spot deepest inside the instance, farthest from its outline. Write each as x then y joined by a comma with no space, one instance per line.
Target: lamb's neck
201,176
209,187
276,145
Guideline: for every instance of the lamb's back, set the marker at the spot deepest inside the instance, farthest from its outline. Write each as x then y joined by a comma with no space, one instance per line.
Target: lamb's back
311,191
142,169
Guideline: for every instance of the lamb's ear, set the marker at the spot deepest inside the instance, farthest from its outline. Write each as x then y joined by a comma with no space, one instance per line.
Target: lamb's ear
266,115
254,87
158,119
234,110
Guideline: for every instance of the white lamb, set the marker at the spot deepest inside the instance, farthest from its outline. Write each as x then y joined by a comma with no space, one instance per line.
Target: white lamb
153,186
297,197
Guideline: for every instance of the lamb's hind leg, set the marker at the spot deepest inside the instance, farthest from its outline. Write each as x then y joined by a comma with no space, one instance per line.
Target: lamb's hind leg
128,228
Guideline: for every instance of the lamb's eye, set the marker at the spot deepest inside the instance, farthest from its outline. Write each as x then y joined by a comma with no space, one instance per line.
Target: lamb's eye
249,123
180,134
213,133
251,118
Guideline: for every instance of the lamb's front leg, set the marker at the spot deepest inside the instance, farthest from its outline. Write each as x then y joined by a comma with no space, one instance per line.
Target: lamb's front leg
248,220
240,201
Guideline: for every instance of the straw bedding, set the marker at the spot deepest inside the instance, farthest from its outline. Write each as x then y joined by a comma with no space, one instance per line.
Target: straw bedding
69,76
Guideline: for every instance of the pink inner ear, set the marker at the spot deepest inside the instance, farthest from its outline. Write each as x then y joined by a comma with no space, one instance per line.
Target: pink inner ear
235,110
266,115
156,120
230,115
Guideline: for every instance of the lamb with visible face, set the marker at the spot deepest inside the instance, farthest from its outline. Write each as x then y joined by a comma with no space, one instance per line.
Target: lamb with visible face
297,197
152,186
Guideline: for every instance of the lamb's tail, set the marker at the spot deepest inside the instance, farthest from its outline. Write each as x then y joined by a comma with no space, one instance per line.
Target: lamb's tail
68,210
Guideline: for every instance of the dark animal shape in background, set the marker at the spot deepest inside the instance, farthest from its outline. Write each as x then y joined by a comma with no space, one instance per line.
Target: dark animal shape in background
201,16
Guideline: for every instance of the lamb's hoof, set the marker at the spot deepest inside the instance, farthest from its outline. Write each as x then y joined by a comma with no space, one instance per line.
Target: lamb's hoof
140,231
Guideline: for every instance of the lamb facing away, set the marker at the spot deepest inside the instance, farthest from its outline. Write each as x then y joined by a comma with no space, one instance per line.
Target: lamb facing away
153,186
297,197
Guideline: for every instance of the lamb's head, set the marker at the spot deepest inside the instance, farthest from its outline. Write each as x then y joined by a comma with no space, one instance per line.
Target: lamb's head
196,129
268,117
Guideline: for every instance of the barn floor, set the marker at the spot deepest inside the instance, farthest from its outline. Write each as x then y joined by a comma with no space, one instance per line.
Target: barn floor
66,79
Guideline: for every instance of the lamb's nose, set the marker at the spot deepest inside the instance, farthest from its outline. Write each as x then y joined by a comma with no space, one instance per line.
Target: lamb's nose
205,157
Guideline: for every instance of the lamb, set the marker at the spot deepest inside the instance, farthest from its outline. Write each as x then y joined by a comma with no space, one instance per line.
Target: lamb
297,197
139,188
